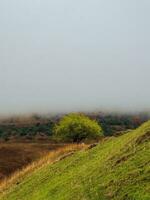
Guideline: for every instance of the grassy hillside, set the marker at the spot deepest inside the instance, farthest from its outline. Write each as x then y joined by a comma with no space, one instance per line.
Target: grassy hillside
118,168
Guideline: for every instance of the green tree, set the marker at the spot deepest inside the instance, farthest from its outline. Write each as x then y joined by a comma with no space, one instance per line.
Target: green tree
77,127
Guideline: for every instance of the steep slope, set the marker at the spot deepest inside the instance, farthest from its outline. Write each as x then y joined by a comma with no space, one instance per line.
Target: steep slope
118,169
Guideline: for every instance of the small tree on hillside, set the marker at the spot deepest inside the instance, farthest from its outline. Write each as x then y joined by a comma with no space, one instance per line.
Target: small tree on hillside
77,127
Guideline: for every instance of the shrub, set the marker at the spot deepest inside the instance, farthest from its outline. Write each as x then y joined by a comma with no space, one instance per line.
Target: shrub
77,127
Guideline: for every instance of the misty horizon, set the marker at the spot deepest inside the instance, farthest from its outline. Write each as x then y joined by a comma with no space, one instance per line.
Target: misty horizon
62,56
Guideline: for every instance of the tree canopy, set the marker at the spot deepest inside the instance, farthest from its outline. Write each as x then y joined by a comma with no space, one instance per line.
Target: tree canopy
77,127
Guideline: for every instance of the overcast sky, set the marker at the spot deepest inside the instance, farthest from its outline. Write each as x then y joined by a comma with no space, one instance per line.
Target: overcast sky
63,55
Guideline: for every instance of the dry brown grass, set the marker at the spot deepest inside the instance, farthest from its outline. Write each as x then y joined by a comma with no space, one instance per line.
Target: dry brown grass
50,158
14,155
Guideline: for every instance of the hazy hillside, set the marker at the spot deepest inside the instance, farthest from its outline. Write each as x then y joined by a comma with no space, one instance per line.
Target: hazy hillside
41,127
118,169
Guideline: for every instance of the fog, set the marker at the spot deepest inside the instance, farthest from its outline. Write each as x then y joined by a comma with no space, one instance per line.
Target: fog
83,55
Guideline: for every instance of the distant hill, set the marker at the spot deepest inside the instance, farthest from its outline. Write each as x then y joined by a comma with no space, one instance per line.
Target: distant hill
116,169
37,126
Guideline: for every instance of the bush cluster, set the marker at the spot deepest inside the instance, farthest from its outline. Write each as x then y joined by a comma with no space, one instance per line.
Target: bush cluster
76,128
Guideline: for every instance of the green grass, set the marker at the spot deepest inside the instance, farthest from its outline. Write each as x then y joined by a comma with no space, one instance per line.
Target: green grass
117,169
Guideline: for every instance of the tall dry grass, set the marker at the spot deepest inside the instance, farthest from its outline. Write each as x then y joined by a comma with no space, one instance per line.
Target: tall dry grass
50,158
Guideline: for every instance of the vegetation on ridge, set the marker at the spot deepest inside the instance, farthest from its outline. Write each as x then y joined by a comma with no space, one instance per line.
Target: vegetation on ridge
76,128
39,127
